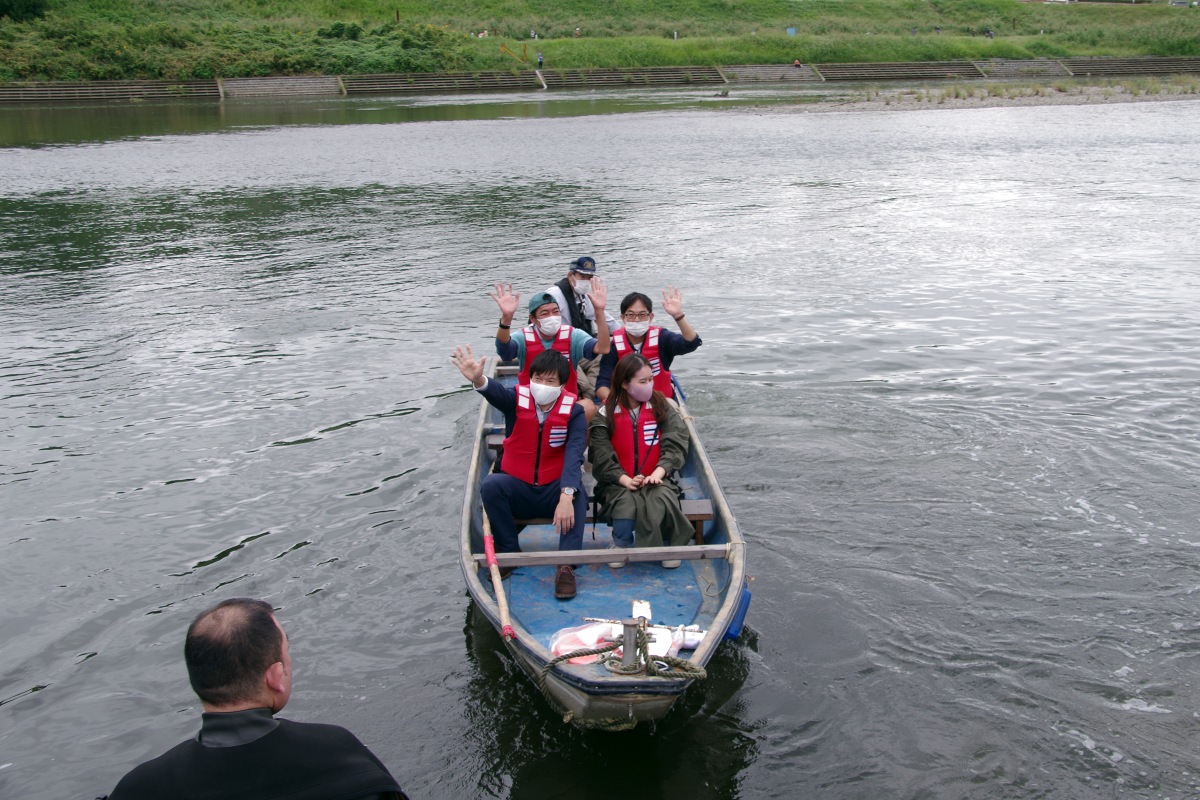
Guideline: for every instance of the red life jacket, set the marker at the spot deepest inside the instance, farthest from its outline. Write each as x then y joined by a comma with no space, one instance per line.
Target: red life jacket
623,347
638,453
535,452
534,348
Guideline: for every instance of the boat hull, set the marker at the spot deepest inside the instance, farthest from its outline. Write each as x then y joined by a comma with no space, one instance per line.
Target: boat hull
708,591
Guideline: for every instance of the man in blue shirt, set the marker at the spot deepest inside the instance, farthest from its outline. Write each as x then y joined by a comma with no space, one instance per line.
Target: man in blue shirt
546,331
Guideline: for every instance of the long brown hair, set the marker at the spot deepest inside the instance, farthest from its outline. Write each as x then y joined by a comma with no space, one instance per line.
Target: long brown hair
626,368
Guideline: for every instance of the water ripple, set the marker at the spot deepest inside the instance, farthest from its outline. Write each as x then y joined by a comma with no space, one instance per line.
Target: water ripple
948,380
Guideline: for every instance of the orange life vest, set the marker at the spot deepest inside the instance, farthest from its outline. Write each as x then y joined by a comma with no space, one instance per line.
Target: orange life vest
636,450
623,347
534,348
535,451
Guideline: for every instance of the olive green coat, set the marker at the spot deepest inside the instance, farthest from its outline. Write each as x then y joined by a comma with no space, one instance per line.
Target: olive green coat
658,519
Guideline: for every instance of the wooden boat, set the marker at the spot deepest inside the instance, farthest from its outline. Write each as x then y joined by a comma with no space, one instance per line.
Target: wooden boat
708,591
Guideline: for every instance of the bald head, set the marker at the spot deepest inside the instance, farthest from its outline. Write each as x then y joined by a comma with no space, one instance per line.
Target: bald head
228,650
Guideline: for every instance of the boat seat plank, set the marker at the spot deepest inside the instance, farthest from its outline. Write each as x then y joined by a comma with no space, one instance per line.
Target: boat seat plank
545,558
698,512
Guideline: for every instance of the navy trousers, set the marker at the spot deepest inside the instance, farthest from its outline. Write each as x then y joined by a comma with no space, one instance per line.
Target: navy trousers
506,499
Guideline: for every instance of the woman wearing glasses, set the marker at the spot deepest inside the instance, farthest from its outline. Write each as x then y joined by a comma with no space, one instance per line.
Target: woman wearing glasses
636,442
641,335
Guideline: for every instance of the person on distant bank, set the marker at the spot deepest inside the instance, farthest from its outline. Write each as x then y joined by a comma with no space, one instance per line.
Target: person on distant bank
239,665
546,331
640,335
636,442
573,296
541,466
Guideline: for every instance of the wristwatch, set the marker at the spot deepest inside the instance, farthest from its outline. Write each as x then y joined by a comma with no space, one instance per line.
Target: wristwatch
568,491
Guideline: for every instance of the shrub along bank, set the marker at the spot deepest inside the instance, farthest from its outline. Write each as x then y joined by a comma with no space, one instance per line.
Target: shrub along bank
130,39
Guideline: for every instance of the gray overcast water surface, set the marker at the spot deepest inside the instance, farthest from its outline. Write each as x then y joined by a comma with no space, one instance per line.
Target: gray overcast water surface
949,382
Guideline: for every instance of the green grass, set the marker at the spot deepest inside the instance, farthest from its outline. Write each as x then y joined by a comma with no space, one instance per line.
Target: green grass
181,39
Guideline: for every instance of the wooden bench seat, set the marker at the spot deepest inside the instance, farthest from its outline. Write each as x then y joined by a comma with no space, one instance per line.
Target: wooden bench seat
545,558
698,512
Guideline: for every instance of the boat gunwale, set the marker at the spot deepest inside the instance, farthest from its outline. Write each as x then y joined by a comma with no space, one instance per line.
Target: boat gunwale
528,650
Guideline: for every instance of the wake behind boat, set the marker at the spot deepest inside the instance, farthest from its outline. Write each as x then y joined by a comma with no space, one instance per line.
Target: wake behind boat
677,618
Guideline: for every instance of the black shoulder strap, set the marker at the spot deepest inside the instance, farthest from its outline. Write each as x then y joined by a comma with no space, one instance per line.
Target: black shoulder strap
578,320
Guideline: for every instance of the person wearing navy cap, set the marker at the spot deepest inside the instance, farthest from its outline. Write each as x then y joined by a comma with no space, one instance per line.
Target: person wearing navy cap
574,297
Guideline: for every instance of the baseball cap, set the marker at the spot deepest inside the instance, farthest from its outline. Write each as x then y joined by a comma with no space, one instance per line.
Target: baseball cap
540,299
584,264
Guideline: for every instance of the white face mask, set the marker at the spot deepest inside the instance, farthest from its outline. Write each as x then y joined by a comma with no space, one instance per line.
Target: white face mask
583,287
549,325
543,394
637,328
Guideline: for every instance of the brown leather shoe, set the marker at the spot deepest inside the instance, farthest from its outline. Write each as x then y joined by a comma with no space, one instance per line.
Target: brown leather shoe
564,583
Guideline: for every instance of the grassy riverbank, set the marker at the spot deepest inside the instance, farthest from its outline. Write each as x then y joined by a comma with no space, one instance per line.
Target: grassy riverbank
126,39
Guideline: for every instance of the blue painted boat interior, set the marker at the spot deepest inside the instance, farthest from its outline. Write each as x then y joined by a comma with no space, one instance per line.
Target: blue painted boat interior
689,595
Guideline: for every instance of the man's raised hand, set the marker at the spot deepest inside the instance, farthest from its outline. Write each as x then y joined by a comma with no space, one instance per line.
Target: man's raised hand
507,300
468,365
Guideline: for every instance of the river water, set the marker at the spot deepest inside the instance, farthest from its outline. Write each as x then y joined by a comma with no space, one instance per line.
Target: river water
949,383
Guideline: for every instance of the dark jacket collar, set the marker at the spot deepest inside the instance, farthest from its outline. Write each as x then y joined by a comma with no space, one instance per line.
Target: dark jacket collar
233,728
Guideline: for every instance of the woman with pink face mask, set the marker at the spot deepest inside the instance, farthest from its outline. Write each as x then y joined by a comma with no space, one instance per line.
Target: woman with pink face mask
636,442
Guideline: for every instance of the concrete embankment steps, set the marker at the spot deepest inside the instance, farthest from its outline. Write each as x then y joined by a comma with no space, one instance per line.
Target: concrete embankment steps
654,76
417,83
28,91
435,83
906,70
528,79
770,73
282,86
1034,68
1115,67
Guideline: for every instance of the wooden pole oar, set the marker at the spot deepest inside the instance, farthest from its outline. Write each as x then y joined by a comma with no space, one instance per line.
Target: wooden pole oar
489,549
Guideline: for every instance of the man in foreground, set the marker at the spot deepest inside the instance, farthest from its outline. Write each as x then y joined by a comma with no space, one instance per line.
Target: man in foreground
239,666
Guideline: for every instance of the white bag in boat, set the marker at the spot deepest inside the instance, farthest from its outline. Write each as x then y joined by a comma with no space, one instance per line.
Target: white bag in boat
583,637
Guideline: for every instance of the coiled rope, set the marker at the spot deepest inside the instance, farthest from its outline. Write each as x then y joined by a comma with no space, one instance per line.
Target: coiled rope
660,666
